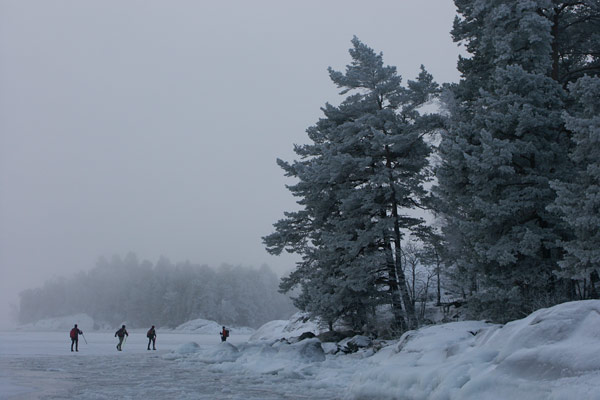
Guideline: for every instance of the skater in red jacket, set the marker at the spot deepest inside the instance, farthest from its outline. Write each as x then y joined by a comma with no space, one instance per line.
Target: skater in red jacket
224,334
74,334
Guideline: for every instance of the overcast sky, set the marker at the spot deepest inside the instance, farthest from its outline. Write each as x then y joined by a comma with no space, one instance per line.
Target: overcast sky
153,126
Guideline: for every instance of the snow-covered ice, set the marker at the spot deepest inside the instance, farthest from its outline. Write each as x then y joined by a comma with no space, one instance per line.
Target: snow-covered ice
208,327
36,365
552,354
295,326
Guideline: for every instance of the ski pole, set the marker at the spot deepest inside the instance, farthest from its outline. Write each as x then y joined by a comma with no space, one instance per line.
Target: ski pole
84,339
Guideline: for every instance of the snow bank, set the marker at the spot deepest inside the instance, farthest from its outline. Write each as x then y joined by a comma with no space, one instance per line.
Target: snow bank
208,327
278,358
279,329
224,352
552,354
200,326
83,321
187,348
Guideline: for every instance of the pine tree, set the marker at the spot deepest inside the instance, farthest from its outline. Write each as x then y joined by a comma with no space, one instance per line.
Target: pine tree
506,143
578,200
364,168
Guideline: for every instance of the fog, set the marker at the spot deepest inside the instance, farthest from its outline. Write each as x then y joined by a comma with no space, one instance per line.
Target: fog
142,294
153,126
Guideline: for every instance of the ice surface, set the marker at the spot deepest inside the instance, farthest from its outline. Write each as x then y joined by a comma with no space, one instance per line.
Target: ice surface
552,354
40,365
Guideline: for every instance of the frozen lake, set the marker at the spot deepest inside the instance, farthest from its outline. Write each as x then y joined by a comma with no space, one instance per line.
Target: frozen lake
40,365
553,353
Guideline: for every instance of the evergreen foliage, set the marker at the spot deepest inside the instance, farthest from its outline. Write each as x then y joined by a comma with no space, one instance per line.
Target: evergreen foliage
506,143
364,169
578,199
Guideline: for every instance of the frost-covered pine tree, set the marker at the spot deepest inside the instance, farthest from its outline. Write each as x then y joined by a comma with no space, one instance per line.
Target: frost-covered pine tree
506,143
578,200
364,168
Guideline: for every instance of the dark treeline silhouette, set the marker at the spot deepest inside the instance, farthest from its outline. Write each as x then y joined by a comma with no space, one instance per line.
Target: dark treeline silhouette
162,294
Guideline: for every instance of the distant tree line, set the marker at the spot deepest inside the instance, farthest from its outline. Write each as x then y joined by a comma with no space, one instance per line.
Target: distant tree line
162,294
512,159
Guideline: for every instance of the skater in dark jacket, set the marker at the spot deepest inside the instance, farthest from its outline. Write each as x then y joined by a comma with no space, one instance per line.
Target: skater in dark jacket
74,334
151,335
121,333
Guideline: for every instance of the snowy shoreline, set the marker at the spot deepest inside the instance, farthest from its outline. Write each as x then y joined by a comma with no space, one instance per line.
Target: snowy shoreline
552,354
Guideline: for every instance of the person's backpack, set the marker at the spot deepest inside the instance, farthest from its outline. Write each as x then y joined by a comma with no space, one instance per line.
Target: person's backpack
226,333
73,333
149,334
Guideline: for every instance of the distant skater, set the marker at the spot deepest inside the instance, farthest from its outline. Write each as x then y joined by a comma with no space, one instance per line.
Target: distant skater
121,333
75,332
224,334
151,335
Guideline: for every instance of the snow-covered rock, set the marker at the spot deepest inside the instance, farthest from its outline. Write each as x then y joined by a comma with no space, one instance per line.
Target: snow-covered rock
351,345
308,350
208,327
200,326
276,358
554,343
187,348
223,352
552,354
330,348
294,327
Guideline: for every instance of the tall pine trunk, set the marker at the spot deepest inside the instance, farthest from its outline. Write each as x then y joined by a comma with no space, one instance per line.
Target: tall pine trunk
397,277
394,291
400,278
439,283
